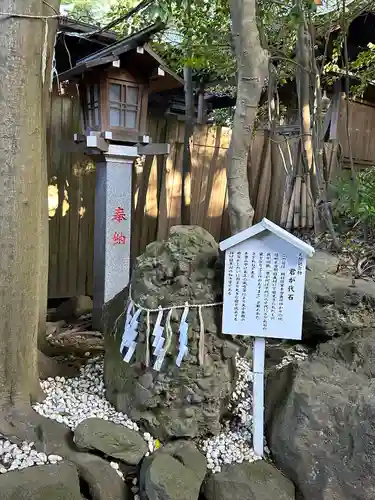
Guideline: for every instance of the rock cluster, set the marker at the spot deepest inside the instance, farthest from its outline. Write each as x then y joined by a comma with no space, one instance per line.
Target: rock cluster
69,401
234,444
333,306
322,431
256,481
319,405
81,402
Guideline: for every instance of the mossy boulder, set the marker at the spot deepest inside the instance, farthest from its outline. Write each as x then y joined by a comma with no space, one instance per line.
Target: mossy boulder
176,402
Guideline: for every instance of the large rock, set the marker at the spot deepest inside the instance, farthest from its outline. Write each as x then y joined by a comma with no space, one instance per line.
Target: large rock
103,482
52,367
113,440
73,308
187,453
256,481
45,482
177,402
322,435
333,306
175,472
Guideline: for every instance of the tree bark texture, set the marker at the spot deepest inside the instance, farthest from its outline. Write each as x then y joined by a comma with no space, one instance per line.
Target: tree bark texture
252,70
21,159
303,81
188,132
312,165
48,10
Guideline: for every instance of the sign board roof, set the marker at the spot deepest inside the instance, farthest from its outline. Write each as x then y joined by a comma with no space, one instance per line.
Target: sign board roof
267,225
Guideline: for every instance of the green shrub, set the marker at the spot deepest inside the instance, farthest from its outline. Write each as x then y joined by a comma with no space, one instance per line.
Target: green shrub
354,200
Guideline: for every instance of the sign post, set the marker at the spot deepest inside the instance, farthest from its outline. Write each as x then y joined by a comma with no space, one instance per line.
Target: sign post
259,348
264,285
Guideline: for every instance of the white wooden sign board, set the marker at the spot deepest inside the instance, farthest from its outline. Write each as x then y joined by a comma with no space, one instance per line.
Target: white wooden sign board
264,284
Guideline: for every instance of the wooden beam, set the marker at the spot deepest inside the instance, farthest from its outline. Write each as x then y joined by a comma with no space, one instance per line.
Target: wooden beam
157,58
129,43
95,142
154,149
77,71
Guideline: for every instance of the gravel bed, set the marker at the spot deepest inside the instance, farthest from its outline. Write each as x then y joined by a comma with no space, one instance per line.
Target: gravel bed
14,457
234,443
70,401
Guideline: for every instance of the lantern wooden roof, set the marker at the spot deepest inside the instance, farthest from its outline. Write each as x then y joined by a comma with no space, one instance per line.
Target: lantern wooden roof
133,53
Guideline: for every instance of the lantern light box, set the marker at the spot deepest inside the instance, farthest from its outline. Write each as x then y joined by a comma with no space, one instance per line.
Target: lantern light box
114,85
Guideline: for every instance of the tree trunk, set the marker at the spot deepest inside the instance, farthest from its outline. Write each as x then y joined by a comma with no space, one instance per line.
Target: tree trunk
188,132
189,127
48,10
303,83
312,168
252,70
21,162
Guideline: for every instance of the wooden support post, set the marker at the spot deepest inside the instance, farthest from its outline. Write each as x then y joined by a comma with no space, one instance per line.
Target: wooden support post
258,395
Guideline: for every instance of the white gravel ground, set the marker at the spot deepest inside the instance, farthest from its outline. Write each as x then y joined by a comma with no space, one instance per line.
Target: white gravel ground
70,401
234,444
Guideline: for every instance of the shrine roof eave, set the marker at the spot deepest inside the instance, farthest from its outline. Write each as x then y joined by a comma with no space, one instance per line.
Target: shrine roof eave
267,225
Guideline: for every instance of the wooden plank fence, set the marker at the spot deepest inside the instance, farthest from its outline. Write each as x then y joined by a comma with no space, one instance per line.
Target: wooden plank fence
156,192
361,125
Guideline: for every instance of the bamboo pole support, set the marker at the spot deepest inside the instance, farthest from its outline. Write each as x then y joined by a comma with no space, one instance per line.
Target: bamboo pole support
297,202
310,208
284,210
289,221
289,184
303,204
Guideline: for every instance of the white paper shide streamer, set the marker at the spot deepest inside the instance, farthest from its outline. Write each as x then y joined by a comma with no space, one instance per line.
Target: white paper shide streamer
160,342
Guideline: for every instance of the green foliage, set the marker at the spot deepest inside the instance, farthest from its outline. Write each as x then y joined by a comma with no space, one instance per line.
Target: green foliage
364,69
136,22
88,11
279,23
198,36
223,117
355,199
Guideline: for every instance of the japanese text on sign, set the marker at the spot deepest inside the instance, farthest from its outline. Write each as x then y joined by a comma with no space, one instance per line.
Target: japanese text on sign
119,215
119,239
264,288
